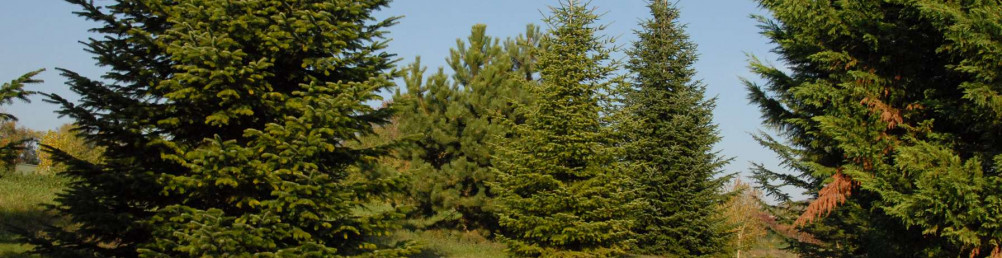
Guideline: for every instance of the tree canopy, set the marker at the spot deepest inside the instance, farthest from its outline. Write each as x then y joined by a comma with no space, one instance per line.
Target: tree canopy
887,111
260,128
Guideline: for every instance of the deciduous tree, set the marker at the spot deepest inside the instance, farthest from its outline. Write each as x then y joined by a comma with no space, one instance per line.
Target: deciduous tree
65,139
743,213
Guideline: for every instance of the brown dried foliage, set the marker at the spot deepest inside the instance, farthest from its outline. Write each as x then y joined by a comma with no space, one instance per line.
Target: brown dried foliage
829,198
888,114
996,252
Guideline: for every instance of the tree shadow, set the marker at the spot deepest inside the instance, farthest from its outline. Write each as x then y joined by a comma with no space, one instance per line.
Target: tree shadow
17,224
15,254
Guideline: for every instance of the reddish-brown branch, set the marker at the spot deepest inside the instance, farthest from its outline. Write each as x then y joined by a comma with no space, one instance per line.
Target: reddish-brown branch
829,198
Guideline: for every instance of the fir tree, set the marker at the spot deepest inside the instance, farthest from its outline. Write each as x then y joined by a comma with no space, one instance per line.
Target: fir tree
454,118
225,126
670,137
891,112
561,186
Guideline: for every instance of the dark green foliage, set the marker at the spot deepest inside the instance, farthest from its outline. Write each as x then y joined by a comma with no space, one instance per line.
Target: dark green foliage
110,202
891,114
669,137
12,90
13,148
226,125
561,187
454,121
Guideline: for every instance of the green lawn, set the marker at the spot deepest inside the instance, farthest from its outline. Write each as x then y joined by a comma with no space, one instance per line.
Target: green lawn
450,243
770,246
21,199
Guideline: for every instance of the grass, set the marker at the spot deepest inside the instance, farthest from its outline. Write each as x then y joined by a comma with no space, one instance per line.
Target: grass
451,243
21,199
770,246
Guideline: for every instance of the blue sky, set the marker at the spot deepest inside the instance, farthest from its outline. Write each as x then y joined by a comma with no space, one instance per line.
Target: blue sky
44,34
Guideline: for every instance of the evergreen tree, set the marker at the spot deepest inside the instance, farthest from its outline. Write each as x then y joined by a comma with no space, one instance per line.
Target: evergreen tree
225,126
13,142
110,201
669,137
561,187
454,121
891,112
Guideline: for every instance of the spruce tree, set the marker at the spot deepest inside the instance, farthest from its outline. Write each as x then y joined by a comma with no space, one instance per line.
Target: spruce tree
889,115
110,202
669,137
562,188
14,145
455,118
225,124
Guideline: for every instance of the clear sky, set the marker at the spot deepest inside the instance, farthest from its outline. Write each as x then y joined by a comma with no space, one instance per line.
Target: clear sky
44,34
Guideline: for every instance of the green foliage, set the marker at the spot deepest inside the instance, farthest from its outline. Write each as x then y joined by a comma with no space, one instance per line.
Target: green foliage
453,120
14,141
562,190
669,136
14,89
110,202
897,102
240,128
225,131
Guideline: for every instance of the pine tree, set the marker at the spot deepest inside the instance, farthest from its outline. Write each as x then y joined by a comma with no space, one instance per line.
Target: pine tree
891,112
669,137
225,124
454,118
562,189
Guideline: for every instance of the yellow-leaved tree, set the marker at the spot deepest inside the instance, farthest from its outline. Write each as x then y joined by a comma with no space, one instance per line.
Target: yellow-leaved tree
744,213
64,139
